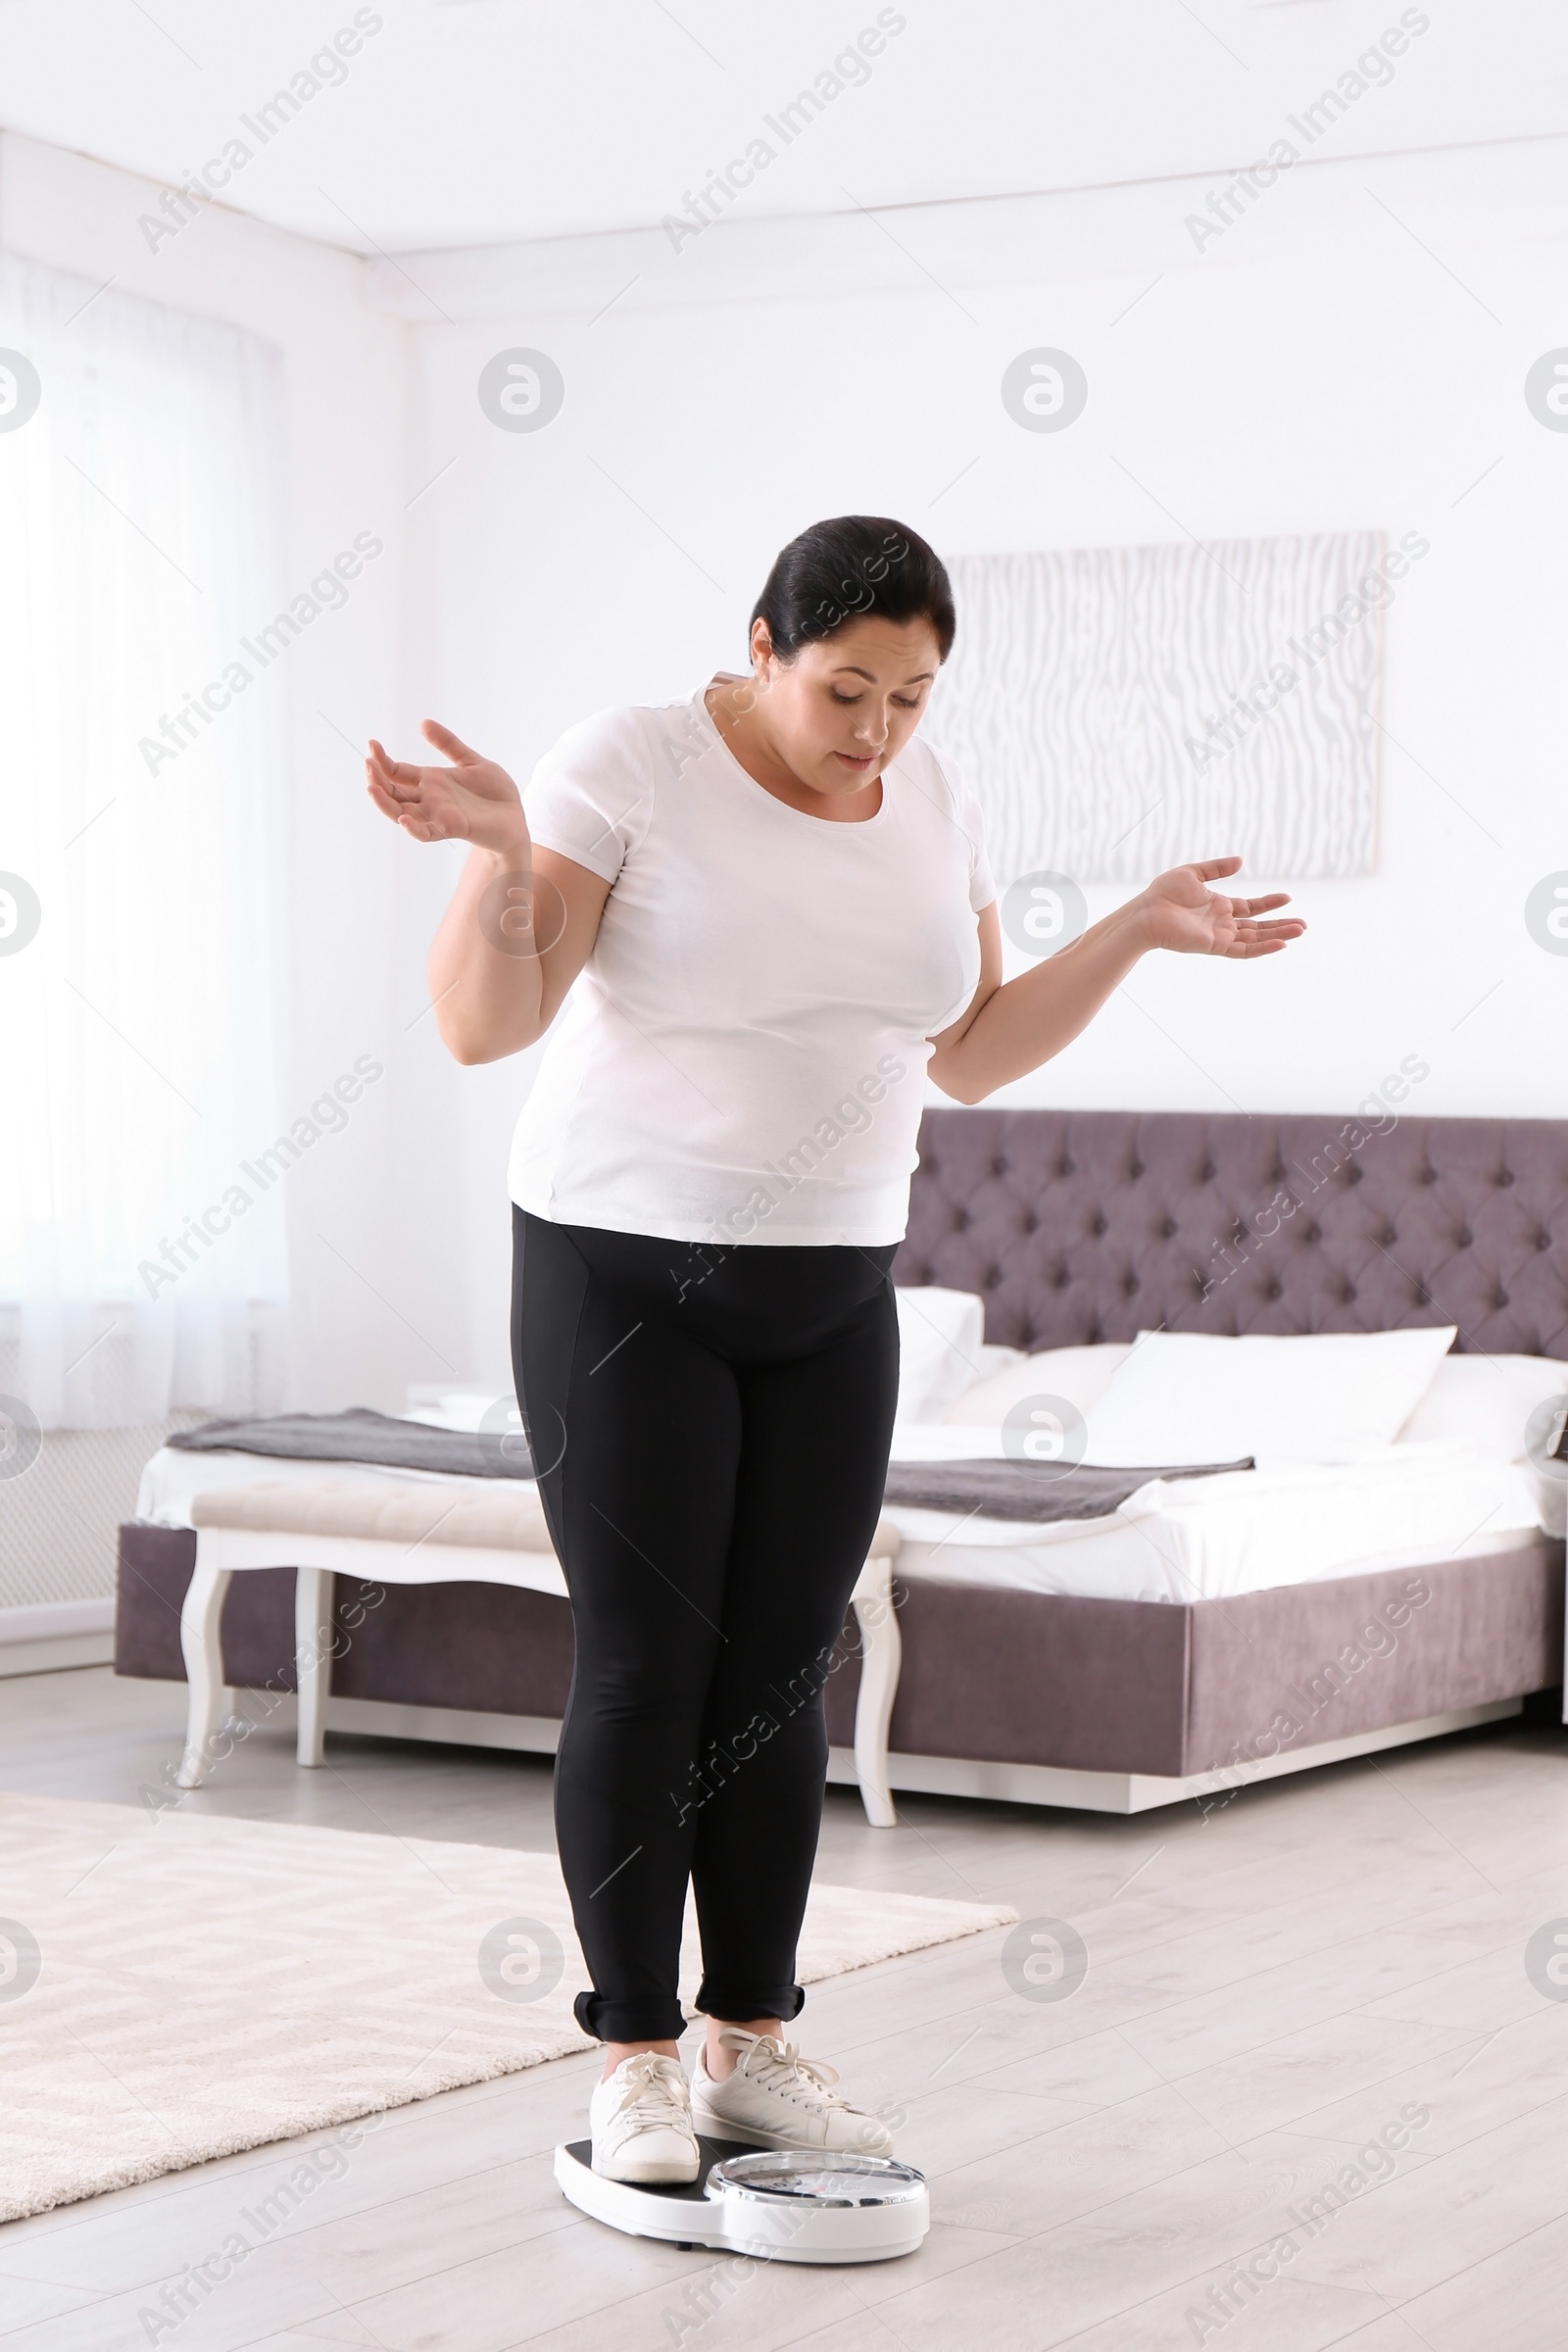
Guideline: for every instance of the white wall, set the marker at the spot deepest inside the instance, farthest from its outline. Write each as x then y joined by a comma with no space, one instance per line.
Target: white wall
1350,354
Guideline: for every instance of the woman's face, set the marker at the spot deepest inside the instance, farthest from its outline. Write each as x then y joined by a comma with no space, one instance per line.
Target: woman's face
843,710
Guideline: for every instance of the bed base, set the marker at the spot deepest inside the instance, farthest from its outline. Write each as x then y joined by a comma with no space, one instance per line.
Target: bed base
1018,1697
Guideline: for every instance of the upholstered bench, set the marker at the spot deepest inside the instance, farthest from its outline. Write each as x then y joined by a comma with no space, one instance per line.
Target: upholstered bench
392,1532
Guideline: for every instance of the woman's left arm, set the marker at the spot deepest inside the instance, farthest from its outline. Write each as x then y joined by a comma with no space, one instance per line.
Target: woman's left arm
1011,1027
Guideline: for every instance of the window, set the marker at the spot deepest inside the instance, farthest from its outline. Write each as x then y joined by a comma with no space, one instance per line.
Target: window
142,779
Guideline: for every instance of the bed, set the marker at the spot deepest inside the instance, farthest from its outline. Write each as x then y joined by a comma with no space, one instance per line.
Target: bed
1094,1668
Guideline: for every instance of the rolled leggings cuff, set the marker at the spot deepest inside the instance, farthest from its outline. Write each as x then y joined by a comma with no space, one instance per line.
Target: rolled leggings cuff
645,2017
782,2001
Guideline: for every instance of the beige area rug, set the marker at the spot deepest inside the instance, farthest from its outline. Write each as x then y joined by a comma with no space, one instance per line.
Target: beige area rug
175,1987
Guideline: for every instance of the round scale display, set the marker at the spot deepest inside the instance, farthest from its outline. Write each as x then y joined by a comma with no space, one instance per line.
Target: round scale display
806,2177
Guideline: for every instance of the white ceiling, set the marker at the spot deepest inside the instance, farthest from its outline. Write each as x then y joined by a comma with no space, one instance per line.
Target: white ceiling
466,122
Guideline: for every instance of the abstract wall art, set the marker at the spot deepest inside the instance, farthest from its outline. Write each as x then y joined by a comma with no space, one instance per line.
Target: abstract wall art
1123,709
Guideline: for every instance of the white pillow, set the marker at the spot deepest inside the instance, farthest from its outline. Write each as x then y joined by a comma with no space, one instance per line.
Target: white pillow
941,1336
1484,1402
1081,1375
1327,1396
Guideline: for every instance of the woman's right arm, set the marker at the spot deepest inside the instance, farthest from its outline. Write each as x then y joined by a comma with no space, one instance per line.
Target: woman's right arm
523,920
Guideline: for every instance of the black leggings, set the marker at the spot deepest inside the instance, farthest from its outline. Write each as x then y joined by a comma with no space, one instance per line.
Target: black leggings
711,1426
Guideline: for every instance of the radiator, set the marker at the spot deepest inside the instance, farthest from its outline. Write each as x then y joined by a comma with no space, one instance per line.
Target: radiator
59,1520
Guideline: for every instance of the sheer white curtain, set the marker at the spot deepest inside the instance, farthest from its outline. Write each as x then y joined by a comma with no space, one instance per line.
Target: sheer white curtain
139,528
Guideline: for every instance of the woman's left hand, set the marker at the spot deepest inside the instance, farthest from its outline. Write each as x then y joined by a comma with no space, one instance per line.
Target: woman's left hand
1181,912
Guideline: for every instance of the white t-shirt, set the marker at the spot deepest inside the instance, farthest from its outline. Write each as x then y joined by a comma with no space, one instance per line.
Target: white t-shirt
743,1055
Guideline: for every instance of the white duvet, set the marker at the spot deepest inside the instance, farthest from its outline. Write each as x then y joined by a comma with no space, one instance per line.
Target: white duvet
1244,1531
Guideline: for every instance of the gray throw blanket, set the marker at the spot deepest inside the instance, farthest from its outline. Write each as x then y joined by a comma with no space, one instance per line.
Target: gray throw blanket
361,1436
1037,1490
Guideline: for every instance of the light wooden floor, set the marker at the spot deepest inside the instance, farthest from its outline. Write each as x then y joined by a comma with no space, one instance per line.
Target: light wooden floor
1268,1987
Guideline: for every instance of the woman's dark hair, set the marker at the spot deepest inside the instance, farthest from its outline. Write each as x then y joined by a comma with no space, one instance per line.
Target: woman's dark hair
846,567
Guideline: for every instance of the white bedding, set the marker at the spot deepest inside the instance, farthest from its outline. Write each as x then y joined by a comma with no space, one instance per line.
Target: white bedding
1246,1531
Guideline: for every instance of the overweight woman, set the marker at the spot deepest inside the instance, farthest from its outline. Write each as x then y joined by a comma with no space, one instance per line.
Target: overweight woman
751,908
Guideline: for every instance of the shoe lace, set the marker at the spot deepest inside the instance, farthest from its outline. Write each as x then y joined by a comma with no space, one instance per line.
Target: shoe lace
655,2091
778,2065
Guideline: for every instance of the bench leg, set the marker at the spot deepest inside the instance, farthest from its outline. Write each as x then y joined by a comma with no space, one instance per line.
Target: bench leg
881,1656
209,1704
313,1654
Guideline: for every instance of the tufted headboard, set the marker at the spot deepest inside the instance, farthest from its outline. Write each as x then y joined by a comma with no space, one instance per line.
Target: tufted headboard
1084,1225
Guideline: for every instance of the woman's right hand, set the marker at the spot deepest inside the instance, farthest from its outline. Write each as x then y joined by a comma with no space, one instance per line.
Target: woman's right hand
474,800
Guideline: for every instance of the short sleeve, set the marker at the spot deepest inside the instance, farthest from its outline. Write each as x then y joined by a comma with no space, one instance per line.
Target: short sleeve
982,883
591,796
966,814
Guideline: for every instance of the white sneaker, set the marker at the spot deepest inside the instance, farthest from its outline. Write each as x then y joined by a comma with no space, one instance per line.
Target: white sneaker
777,2100
641,2121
